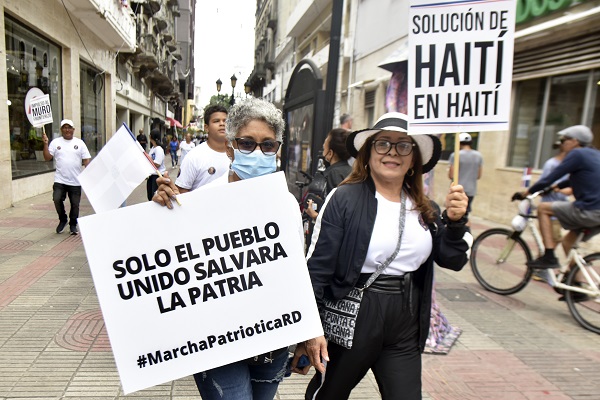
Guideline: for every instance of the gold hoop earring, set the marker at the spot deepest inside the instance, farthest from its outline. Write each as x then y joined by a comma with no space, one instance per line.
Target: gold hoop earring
410,172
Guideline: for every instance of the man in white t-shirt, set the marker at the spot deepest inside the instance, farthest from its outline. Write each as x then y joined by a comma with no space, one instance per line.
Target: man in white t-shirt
69,153
186,147
208,161
157,154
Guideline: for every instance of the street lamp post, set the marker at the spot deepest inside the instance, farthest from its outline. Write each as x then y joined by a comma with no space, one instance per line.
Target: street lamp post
219,83
233,82
247,88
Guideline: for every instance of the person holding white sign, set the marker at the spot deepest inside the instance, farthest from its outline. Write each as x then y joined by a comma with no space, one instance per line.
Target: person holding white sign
254,131
70,153
378,224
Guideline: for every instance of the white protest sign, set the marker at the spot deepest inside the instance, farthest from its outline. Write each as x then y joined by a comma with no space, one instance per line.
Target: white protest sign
220,279
115,172
38,109
460,65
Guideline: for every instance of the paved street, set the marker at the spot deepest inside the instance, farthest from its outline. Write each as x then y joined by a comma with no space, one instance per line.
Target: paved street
53,344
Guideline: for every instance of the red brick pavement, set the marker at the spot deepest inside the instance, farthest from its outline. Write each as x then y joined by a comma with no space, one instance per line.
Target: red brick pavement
484,374
14,286
84,331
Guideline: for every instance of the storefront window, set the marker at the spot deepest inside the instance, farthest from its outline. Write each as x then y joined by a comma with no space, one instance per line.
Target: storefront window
92,107
526,122
31,61
545,106
595,107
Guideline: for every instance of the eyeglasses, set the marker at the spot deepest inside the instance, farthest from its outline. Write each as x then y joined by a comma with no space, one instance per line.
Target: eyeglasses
247,146
67,127
403,148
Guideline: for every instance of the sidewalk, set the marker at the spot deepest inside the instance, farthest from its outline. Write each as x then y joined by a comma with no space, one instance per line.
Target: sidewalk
53,344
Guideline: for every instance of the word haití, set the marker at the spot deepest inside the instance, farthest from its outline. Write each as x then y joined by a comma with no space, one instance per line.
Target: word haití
211,341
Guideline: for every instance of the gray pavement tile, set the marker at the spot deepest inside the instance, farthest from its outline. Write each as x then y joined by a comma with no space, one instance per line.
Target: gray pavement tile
525,346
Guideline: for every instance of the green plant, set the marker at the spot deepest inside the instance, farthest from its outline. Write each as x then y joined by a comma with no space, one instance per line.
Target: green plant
16,145
39,145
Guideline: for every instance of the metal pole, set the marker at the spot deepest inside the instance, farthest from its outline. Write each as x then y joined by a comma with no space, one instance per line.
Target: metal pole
333,63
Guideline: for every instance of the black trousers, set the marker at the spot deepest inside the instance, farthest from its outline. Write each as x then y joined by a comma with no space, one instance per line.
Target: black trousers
386,340
59,195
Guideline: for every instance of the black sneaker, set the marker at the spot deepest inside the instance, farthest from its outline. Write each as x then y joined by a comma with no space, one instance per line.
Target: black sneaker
542,263
74,230
61,226
577,297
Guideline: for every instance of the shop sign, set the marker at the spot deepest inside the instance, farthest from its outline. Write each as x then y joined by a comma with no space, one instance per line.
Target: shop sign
530,9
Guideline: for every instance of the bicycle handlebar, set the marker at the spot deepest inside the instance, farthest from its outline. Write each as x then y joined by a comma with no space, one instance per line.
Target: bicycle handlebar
519,195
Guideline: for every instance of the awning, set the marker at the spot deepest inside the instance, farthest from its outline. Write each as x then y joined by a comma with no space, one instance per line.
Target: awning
174,122
393,61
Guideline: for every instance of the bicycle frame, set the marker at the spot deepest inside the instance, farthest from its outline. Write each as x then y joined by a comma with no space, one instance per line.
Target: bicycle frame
554,279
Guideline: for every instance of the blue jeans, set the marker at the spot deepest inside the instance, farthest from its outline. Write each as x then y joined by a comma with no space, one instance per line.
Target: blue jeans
240,381
59,194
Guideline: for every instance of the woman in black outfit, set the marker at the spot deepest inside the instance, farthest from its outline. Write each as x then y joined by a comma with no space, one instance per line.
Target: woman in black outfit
379,224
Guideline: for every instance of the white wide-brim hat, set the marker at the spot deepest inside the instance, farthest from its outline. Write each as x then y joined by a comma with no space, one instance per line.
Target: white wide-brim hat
430,146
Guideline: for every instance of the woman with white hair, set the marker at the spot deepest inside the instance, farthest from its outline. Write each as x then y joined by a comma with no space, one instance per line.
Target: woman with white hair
254,130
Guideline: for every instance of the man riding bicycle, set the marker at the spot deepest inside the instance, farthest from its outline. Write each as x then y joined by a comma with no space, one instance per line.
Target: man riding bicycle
582,163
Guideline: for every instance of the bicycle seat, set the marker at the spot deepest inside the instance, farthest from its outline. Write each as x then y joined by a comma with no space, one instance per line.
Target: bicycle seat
588,233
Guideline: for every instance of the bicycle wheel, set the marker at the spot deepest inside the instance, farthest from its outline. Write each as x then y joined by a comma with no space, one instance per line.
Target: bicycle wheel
498,261
586,310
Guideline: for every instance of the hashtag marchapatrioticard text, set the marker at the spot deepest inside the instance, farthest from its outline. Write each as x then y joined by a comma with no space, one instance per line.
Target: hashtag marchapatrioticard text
211,341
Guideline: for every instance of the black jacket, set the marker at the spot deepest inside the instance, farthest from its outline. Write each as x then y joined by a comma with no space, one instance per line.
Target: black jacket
341,241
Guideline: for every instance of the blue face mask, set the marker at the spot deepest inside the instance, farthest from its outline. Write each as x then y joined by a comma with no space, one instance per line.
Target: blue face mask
254,164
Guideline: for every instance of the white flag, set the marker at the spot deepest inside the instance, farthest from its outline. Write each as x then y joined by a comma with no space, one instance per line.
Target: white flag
115,172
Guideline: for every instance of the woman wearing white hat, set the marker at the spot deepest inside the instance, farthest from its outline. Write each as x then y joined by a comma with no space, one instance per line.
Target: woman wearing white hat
378,232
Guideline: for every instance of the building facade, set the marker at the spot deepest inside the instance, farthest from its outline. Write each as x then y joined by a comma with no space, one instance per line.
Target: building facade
102,64
555,81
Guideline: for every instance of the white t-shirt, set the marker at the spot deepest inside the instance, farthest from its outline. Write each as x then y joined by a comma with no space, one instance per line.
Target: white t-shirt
416,243
157,154
68,155
185,148
202,165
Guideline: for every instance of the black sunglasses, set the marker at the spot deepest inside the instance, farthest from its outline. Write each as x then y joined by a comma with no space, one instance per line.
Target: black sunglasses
247,146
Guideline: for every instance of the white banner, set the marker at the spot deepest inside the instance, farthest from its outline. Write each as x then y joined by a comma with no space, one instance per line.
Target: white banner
115,172
460,65
40,111
220,279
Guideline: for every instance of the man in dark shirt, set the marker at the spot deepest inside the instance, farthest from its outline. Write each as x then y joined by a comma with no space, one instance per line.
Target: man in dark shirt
582,163
142,139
